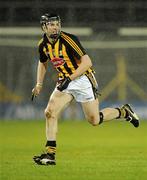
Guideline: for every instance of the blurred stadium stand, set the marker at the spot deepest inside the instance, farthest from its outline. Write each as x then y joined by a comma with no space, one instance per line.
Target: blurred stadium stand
119,54
101,14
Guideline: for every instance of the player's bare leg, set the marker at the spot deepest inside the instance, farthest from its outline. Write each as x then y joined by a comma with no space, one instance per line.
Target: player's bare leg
58,101
91,111
95,117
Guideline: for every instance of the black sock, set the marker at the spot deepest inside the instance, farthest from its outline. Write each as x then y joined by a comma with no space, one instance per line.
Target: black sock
119,111
51,143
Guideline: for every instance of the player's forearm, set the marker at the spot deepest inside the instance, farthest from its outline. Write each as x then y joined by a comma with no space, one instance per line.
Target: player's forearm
41,71
83,67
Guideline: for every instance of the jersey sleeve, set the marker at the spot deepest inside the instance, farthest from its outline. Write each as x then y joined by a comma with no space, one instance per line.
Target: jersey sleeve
42,56
74,45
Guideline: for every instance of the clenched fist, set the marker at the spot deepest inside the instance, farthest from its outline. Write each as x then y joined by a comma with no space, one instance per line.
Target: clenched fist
64,84
36,90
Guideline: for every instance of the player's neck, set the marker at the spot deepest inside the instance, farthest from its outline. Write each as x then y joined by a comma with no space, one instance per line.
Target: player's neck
52,40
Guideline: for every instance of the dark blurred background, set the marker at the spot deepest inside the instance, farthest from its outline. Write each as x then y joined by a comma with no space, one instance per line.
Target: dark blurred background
113,32
99,14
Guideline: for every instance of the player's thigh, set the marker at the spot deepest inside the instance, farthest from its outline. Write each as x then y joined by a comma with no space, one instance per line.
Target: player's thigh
91,109
58,101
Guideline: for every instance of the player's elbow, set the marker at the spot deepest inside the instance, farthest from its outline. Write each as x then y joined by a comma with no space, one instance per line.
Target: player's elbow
87,61
90,62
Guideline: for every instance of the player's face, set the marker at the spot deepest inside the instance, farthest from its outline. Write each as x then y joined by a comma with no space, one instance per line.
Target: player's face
52,29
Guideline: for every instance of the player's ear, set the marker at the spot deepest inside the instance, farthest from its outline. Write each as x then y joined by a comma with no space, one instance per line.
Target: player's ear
43,27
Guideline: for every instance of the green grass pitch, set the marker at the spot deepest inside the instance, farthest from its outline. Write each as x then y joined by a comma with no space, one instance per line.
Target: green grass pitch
112,151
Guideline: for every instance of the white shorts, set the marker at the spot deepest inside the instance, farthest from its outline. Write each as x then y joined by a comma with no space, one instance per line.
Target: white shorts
81,89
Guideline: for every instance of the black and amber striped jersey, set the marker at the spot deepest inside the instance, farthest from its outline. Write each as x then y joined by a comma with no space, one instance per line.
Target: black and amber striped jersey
64,54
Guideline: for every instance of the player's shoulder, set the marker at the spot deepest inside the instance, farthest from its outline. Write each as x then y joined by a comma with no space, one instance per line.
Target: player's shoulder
42,41
68,36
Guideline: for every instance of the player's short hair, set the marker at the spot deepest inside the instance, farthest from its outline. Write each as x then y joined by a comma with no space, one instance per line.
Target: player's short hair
49,17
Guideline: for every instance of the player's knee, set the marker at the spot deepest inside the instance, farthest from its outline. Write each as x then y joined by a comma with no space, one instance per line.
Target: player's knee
93,120
49,113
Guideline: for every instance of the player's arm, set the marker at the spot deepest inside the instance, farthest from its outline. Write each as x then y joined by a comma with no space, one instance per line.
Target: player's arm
83,67
42,64
41,71
76,49
74,46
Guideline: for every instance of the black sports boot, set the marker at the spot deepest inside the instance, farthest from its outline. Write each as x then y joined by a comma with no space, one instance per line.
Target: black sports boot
131,115
45,159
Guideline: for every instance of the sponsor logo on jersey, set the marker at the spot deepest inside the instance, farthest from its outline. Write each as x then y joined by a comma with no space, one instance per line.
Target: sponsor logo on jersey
57,62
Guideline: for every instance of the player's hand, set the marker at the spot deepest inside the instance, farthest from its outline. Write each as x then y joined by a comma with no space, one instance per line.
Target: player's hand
64,84
36,91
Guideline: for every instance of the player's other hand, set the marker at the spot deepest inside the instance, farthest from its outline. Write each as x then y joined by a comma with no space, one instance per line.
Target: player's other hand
64,84
36,91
